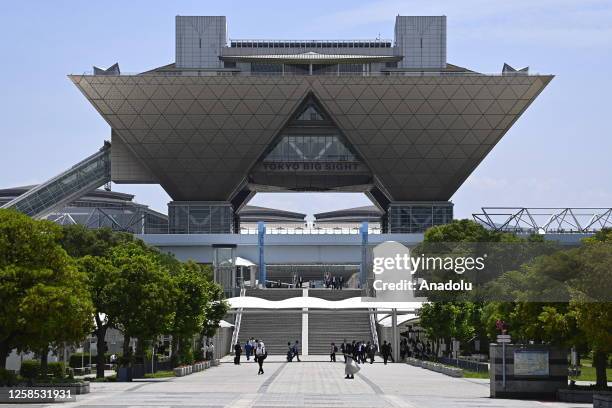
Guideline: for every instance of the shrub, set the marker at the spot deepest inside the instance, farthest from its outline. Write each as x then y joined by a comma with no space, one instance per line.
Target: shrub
187,357
8,378
57,369
30,369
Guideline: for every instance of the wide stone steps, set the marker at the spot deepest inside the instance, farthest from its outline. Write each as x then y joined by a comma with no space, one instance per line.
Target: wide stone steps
275,329
323,329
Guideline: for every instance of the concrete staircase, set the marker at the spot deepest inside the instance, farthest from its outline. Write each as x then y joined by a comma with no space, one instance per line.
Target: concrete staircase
323,329
278,328
275,329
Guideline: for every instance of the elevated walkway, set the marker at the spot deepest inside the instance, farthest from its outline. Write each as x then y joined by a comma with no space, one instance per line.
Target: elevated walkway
56,193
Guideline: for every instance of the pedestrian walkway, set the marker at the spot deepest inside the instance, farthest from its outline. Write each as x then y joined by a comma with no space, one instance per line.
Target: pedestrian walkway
308,384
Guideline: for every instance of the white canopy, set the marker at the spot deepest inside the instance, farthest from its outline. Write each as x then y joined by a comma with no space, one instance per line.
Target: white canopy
249,302
243,262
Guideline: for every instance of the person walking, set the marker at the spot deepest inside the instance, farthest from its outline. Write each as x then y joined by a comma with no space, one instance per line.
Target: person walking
210,351
260,355
289,352
386,351
300,281
248,350
296,350
332,353
371,351
343,349
237,352
350,366
340,282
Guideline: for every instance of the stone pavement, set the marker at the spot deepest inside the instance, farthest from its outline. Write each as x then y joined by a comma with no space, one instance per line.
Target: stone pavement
308,384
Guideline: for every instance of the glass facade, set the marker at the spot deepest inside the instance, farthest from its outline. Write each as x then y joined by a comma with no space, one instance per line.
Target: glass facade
310,148
200,218
416,217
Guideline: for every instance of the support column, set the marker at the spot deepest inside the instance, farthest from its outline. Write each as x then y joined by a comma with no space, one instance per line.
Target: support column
200,217
363,272
305,326
395,337
261,233
410,217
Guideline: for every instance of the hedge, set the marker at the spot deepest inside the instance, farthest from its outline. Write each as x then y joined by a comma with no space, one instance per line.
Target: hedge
30,369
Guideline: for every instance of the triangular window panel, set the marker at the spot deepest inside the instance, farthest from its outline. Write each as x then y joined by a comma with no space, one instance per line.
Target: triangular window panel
310,113
311,137
310,148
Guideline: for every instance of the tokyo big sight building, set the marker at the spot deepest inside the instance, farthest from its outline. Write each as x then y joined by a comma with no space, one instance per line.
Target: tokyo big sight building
230,118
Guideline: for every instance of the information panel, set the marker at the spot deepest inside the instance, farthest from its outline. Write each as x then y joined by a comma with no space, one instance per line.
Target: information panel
530,363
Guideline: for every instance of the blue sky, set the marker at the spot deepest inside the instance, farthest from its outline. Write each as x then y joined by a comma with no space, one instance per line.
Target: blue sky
558,154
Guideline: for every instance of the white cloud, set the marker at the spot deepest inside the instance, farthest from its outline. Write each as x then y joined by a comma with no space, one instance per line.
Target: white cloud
562,23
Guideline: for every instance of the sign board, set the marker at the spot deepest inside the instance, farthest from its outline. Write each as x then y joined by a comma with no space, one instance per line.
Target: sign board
531,363
504,338
312,167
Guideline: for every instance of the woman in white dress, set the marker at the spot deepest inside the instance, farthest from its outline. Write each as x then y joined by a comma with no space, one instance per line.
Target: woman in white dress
350,366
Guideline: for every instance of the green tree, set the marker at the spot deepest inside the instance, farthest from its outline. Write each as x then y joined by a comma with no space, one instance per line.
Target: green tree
190,308
92,248
146,293
45,297
102,277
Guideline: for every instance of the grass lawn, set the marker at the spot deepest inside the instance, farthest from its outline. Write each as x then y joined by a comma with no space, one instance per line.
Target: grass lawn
588,371
474,374
160,374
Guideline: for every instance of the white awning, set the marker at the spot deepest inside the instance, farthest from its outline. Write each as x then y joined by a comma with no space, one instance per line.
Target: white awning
250,302
243,262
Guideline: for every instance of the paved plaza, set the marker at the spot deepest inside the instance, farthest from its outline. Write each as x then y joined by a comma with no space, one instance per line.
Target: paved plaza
307,384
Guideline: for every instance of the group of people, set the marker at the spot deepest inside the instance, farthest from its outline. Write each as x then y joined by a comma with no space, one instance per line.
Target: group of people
208,350
415,348
359,352
329,281
252,347
333,282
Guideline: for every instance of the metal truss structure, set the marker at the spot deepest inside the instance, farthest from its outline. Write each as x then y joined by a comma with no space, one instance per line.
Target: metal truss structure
524,220
130,218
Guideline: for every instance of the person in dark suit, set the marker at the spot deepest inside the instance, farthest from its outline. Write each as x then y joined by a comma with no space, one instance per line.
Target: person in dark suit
386,351
289,352
300,281
343,349
332,352
370,351
237,352
296,350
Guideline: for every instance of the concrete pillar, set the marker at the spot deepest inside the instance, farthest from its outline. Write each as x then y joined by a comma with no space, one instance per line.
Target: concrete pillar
305,326
261,233
395,336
